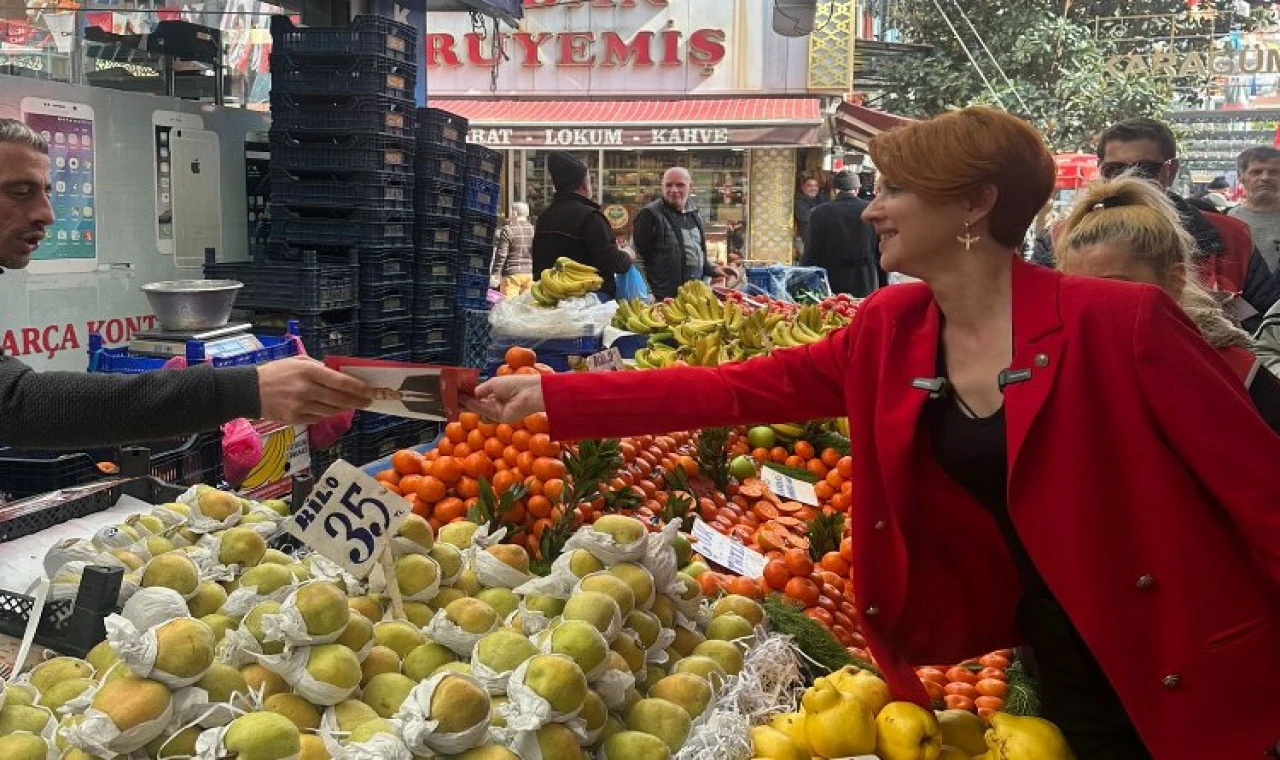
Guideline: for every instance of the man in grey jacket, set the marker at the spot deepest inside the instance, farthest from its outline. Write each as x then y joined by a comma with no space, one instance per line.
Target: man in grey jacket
670,240
72,409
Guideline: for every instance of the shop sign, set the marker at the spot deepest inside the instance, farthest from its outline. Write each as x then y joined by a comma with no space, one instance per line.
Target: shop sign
51,340
1253,59
639,137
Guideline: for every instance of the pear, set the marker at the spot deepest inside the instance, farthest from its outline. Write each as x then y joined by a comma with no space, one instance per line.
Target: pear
23,747
299,711
425,659
963,730
241,546
907,731
625,530
665,720
399,636
208,600
691,692
263,736
502,600
634,745
748,609
379,660
386,692
323,607
416,529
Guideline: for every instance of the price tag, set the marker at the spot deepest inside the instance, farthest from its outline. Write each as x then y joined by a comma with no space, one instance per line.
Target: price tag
349,518
727,552
787,487
608,360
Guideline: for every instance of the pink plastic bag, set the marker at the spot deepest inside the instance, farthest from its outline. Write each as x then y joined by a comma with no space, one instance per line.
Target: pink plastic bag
241,450
326,432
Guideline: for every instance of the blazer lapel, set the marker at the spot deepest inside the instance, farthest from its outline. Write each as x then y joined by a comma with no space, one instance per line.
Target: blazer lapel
1038,344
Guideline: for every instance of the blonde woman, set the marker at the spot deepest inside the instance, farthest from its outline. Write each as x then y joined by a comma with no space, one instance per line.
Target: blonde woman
1126,229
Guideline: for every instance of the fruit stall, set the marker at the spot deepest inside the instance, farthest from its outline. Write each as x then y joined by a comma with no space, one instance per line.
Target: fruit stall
670,596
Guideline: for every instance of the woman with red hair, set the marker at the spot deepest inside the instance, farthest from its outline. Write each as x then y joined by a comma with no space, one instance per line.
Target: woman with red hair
1047,460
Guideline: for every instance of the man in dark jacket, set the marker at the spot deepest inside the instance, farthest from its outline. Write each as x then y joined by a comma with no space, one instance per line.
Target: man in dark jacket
670,239
573,226
73,409
1226,259
841,243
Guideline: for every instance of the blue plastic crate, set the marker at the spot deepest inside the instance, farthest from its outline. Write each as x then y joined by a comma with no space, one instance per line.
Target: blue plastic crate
346,449
393,301
435,268
358,227
386,266
475,339
472,292
307,285
120,362
478,230
484,163
482,197
331,333
304,155
442,164
433,334
356,75
445,356
388,336
473,260
436,232
437,128
437,196
366,35
353,114
376,190
778,281
434,300
376,445
371,422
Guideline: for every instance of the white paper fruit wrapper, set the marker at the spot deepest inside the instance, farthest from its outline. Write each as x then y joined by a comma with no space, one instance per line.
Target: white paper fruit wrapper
149,607
442,630
401,546
605,548
380,747
242,601
378,583
558,582
289,627
420,727
292,667
112,537
532,621
192,706
75,550
238,648
98,735
525,743
525,709
494,573
657,654
138,650
612,686
170,518
209,745
660,560
493,681
198,522
323,569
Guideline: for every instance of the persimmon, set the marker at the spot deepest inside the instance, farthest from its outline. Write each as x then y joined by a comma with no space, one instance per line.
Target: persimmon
537,423
743,587
503,370
821,615
503,432
493,448
845,467
449,508
963,675
520,439
817,468
432,489
511,455
995,673
469,420
444,448
689,465
995,704
553,489
461,451
802,590
447,469
833,562
760,455
831,458
934,691
406,462
546,468
539,506
834,479
519,356
526,371
958,702
795,460
533,485
778,454
963,689
410,483
476,440
478,465
710,583
846,549
985,713
823,491
803,449
388,476
467,487
393,488
525,461
455,432
994,660
503,481
992,687
798,562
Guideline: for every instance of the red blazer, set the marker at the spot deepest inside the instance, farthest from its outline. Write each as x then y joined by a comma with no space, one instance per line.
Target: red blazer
1141,480
1227,271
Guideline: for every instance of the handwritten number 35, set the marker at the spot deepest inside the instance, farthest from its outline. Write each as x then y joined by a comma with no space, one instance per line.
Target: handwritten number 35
365,537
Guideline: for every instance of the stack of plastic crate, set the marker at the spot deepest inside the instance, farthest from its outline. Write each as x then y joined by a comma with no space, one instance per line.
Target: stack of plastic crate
475,252
342,171
440,198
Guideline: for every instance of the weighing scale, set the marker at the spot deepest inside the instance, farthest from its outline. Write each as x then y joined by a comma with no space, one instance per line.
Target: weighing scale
221,343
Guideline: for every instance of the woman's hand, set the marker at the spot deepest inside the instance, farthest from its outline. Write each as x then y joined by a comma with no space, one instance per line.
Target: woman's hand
507,399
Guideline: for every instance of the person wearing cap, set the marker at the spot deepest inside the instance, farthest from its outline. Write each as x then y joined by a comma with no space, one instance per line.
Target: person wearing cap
574,227
844,245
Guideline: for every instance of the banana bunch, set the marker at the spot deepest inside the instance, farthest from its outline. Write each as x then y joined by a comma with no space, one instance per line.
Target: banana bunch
788,432
635,316
567,279
755,330
789,334
656,356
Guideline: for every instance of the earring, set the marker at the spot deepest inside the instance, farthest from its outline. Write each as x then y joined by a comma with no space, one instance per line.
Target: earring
968,238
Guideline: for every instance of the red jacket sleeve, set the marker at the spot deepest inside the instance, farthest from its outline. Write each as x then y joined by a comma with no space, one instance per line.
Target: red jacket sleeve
789,385
1207,418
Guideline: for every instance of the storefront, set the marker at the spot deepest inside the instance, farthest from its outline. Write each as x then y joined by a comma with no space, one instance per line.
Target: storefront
634,87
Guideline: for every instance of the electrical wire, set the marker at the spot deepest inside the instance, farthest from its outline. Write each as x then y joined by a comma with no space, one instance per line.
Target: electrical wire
994,62
968,54
797,26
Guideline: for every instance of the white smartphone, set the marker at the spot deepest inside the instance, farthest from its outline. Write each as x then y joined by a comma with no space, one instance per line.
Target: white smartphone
71,243
196,170
162,126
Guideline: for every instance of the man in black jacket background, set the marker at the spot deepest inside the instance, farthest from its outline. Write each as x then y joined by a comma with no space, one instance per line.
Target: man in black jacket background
573,226
670,239
841,243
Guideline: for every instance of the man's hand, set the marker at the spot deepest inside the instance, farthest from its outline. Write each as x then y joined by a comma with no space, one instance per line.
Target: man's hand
507,399
303,391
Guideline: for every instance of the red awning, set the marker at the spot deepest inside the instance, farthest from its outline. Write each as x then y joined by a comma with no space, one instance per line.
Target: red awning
544,113
857,125
740,122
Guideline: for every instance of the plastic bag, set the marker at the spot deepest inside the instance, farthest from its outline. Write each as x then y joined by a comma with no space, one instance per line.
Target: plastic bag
241,450
522,317
631,284
323,434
